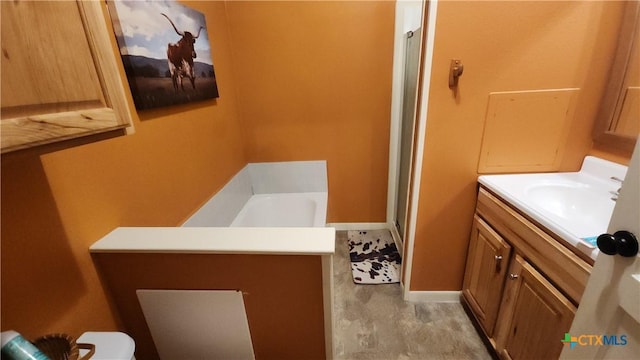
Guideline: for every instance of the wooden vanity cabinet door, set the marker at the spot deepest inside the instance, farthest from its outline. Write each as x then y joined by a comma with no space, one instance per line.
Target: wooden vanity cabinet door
484,278
534,315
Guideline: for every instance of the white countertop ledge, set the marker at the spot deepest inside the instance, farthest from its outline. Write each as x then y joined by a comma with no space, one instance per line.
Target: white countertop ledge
218,240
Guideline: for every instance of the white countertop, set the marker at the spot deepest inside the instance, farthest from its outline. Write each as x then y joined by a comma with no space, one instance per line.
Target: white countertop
218,240
576,206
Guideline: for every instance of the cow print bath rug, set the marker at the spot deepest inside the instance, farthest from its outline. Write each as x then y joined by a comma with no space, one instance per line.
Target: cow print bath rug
374,257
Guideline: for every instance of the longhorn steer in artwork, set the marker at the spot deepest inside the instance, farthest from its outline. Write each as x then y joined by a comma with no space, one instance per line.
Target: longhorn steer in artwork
180,57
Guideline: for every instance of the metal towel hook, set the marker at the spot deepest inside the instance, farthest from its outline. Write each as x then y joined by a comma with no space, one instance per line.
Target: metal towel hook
455,71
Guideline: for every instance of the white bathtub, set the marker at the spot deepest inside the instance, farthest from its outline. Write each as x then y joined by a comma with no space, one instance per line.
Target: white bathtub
285,194
266,209
283,210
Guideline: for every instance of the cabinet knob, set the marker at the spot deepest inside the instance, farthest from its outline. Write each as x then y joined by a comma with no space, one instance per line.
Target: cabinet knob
621,242
513,276
498,259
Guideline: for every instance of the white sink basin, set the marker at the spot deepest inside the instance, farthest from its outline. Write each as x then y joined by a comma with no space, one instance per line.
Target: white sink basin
576,206
572,200
584,210
566,201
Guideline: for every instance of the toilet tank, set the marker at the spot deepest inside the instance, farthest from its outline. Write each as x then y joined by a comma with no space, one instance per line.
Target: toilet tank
110,345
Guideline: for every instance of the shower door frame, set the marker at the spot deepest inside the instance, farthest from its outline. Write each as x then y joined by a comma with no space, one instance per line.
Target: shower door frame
427,24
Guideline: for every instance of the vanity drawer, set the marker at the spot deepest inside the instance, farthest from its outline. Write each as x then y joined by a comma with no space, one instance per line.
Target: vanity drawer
559,264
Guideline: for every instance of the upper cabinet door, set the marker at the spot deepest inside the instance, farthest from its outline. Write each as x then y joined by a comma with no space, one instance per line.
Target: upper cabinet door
60,79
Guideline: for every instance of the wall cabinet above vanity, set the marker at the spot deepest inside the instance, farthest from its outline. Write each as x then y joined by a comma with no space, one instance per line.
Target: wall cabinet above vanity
60,79
522,286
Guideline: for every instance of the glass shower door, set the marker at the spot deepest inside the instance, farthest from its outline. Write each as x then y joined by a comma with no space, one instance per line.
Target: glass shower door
409,101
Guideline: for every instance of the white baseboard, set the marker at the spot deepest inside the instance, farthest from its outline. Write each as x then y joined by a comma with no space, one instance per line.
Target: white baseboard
433,296
359,226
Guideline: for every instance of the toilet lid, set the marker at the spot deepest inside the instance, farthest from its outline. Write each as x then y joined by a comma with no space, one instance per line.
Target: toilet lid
110,345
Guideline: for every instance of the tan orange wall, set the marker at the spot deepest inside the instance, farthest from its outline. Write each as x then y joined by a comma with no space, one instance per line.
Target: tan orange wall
56,203
314,81
505,46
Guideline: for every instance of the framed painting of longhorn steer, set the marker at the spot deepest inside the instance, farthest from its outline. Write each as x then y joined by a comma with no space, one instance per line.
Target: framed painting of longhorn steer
165,51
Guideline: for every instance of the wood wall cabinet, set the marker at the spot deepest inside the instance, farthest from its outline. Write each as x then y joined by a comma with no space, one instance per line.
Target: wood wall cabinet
521,285
60,78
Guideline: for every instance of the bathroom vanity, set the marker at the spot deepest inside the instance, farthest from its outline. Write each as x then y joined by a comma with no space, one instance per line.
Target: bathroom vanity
520,283
528,261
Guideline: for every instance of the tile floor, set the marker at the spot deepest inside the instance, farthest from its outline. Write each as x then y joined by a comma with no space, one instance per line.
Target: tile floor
373,322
